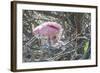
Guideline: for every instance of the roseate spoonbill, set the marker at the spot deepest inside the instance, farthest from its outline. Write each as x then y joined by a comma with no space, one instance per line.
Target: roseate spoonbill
51,30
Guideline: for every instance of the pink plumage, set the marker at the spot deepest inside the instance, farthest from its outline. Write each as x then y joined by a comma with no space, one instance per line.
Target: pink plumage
48,29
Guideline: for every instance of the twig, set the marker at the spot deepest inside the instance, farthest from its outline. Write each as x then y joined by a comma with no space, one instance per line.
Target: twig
30,41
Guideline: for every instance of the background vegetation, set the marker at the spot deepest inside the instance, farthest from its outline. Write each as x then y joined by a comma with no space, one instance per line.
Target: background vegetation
76,36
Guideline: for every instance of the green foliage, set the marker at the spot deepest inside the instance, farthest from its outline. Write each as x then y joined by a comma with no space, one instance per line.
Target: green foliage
85,46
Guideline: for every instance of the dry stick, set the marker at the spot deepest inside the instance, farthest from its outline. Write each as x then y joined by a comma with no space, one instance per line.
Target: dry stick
30,41
59,54
62,52
77,25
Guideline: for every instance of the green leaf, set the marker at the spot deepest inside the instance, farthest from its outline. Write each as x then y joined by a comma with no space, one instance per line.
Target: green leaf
86,45
34,46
